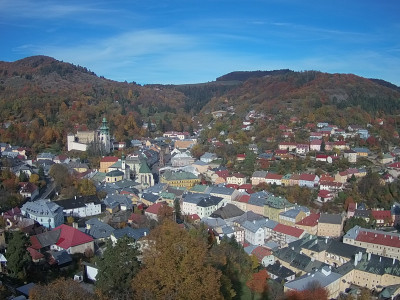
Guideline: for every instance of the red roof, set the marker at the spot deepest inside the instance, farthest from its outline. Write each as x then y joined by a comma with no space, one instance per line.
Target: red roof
316,142
273,176
153,209
340,143
379,238
223,174
109,159
238,175
382,214
70,237
35,244
244,198
194,217
232,186
245,186
261,252
136,218
34,253
323,156
324,194
241,156
311,220
307,177
352,207
289,230
394,165
326,177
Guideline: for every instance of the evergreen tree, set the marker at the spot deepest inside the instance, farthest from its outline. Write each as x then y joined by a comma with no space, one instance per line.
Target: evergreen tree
17,256
117,268
177,208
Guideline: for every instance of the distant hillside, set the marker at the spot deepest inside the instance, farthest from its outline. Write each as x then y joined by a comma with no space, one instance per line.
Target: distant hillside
386,84
304,91
245,75
43,99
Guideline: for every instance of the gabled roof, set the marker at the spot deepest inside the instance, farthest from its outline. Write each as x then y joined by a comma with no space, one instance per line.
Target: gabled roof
109,159
70,237
261,252
381,214
228,211
330,219
136,234
289,230
311,220
153,209
308,177
45,239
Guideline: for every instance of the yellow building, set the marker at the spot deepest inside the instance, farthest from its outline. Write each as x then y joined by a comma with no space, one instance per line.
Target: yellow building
179,179
330,225
106,162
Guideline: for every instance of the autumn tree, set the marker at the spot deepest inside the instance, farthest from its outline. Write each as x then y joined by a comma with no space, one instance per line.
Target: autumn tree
313,290
235,265
258,282
61,176
176,267
17,255
61,289
117,268
86,187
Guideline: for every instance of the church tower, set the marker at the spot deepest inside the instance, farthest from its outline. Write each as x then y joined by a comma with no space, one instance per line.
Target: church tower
105,136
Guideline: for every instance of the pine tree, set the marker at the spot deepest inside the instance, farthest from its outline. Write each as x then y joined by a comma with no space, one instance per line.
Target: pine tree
17,255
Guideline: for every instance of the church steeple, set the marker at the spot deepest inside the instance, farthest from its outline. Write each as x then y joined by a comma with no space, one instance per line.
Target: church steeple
105,135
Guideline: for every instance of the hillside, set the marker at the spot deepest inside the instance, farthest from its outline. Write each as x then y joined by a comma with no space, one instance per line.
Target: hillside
309,90
42,99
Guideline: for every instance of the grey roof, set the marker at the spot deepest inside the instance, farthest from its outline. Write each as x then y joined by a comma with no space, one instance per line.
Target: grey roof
208,155
297,260
247,216
98,229
156,189
42,208
194,198
213,222
249,249
323,277
379,265
61,257
330,218
48,238
25,288
362,213
136,234
279,270
78,201
112,200
222,190
252,226
291,213
227,230
395,209
150,197
352,233
209,201
228,211
259,174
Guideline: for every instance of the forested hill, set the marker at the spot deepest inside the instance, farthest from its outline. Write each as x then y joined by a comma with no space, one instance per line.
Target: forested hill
245,75
307,91
42,99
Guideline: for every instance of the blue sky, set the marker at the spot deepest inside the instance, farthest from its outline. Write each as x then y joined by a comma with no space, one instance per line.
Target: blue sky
189,41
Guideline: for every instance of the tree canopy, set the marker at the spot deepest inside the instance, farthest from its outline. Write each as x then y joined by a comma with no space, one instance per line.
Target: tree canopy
176,267
117,268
